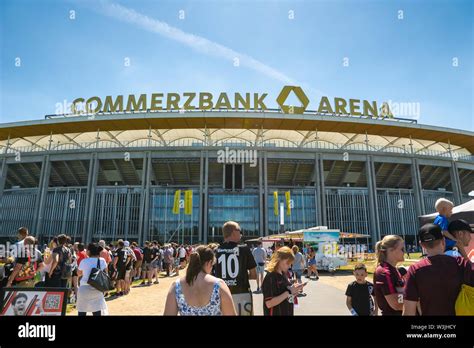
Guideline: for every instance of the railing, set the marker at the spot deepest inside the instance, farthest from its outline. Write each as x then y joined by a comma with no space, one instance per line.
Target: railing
279,143
270,110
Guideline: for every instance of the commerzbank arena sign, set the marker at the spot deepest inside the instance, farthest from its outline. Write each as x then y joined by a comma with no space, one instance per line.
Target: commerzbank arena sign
238,101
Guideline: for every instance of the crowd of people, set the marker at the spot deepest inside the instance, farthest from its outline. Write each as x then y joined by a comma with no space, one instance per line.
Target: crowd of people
64,264
217,276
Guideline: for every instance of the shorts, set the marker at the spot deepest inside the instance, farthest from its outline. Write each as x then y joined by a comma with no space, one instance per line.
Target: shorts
127,273
148,266
243,304
74,272
298,273
261,269
121,273
182,259
155,264
312,262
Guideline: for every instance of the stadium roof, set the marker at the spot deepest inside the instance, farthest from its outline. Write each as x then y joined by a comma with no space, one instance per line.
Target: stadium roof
251,128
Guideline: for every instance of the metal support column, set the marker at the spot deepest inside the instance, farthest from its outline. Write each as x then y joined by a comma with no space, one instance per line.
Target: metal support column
374,221
141,240
3,175
265,195
42,192
260,197
322,197
206,196
201,192
146,208
417,188
91,189
455,183
318,193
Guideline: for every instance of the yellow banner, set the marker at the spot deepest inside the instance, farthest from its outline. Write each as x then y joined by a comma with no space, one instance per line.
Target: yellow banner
177,197
188,202
288,205
275,203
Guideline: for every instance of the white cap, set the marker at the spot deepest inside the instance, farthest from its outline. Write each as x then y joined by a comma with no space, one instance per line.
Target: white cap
102,243
126,243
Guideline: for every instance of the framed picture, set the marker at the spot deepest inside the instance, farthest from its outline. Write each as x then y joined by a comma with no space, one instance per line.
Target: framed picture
33,301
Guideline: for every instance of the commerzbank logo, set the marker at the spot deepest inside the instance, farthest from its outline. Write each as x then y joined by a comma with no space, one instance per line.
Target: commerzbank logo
202,101
291,109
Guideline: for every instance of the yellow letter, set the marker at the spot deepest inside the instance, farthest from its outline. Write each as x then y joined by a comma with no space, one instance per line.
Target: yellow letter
340,106
140,105
354,107
223,102
205,99
112,107
156,101
172,100
97,108
325,106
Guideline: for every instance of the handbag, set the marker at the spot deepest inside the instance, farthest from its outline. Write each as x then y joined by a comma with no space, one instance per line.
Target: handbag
99,279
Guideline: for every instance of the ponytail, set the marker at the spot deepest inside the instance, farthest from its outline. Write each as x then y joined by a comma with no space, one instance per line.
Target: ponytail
197,260
383,245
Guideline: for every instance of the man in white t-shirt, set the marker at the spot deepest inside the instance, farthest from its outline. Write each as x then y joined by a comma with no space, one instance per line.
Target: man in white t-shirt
260,256
182,256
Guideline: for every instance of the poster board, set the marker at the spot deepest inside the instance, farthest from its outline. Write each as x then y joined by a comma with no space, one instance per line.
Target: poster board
33,301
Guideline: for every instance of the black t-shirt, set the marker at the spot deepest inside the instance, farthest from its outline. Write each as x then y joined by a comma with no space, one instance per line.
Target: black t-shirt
155,252
233,263
361,295
122,256
274,284
64,256
147,254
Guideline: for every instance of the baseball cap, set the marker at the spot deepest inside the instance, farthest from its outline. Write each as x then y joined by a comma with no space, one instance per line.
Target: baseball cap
126,243
429,233
459,225
102,243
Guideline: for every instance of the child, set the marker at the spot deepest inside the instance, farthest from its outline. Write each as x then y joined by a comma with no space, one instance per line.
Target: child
360,293
445,210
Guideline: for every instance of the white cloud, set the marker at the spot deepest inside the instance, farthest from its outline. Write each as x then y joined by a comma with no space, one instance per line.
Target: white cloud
196,42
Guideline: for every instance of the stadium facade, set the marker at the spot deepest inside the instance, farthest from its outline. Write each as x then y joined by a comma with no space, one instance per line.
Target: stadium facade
115,175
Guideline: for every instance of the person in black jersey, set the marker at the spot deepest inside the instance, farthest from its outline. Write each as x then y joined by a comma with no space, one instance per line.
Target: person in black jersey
278,292
236,265
121,261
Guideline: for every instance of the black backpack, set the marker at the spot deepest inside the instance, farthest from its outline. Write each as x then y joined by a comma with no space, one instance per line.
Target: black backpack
66,263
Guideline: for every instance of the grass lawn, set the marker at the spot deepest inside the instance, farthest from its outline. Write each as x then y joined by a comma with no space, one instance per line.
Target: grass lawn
371,262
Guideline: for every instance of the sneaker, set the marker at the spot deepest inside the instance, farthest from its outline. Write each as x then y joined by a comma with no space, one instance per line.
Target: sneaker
156,282
143,283
302,294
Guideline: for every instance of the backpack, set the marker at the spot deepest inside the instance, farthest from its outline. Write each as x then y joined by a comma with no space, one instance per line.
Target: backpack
465,301
66,263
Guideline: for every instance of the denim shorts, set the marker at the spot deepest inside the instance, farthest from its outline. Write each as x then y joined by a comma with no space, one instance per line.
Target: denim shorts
298,273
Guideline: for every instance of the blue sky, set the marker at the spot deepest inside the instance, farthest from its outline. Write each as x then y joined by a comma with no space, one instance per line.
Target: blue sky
402,60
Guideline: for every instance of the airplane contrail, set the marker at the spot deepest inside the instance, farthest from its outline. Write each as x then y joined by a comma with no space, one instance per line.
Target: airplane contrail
196,42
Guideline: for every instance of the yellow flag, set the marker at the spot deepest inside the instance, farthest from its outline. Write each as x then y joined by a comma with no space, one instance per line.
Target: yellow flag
188,202
275,202
288,205
177,197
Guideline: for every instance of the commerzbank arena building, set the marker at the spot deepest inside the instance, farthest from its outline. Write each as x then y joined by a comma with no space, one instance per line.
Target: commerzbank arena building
169,169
